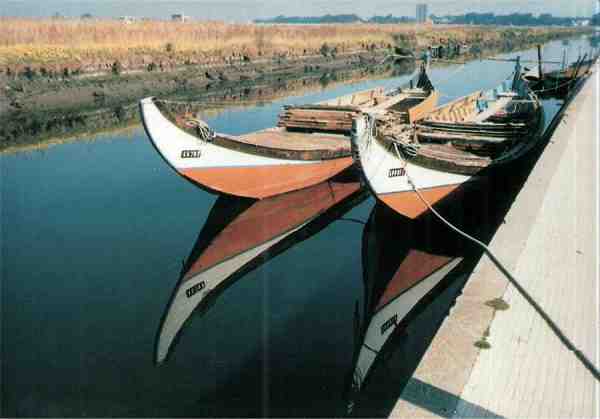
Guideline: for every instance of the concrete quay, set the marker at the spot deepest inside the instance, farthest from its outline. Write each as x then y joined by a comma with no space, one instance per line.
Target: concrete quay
550,244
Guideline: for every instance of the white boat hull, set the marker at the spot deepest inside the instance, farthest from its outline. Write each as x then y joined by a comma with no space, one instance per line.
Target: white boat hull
387,174
233,172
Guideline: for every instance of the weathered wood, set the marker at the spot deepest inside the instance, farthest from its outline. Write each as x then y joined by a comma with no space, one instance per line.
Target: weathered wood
422,109
320,117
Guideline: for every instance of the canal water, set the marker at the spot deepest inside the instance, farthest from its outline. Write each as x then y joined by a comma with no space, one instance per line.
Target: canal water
96,235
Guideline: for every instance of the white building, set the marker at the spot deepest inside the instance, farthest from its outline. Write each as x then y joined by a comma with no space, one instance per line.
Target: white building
127,19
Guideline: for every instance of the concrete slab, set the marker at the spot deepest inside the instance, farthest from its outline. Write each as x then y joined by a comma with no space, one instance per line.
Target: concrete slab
550,244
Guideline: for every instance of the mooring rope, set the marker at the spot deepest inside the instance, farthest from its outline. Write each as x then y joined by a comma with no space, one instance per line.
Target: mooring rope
205,132
589,365
557,86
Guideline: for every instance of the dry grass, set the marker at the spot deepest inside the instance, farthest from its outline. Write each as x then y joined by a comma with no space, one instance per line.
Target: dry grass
205,36
59,40
47,41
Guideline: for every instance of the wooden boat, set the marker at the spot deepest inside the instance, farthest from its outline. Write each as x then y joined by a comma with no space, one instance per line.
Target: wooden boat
311,143
240,234
558,83
456,143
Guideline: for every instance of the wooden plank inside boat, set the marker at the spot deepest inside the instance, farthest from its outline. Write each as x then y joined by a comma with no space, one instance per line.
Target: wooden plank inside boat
278,138
338,119
422,109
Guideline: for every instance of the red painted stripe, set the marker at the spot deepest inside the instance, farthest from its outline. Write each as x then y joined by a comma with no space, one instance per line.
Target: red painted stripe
265,181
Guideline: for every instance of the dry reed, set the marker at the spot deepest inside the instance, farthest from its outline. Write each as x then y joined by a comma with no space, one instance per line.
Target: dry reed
48,41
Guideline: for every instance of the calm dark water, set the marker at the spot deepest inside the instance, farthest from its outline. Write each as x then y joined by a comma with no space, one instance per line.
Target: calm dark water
94,238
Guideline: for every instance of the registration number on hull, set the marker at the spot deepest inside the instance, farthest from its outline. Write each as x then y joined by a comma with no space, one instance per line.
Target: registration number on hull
190,292
190,154
391,322
396,172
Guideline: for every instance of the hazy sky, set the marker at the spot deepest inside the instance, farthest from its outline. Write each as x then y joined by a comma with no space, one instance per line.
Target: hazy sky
244,10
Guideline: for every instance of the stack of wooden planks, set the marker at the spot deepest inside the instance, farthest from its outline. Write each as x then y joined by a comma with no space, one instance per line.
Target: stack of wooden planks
318,117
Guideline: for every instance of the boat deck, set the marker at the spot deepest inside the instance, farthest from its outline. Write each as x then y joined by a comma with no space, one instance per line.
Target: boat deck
453,155
280,138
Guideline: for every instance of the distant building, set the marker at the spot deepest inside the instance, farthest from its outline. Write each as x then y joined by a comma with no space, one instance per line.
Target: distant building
179,17
421,13
127,19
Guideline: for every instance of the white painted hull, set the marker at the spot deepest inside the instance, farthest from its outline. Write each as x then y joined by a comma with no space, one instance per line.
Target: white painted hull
230,171
387,175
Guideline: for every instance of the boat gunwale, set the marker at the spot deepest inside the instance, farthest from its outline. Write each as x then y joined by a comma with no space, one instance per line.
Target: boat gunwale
233,143
533,131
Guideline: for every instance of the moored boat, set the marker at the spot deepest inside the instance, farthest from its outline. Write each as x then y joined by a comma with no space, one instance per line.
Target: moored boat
456,143
310,144
559,83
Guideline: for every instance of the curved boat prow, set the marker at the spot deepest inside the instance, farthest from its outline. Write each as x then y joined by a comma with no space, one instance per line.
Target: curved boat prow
387,172
242,166
176,146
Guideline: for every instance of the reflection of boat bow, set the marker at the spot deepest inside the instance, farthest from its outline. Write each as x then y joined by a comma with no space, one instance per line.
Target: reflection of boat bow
399,272
256,227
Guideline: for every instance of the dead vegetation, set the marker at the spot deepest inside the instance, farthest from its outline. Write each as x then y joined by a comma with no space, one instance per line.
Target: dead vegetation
56,46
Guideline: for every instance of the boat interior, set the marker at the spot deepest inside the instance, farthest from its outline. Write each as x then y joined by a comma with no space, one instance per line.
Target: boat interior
469,133
321,128
479,107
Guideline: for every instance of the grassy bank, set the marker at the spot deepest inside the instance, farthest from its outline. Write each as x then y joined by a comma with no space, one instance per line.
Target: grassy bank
33,47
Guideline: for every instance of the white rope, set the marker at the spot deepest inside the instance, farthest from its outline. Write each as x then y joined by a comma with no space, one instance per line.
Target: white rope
204,131
553,326
411,150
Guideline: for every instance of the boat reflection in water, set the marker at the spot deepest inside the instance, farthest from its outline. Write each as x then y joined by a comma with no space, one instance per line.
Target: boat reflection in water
240,234
403,261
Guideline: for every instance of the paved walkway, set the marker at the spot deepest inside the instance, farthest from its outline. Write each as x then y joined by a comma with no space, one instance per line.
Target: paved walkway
550,244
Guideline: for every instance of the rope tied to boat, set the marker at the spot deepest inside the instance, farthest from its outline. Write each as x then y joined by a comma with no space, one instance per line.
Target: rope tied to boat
371,128
205,132
556,86
404,147
587,363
